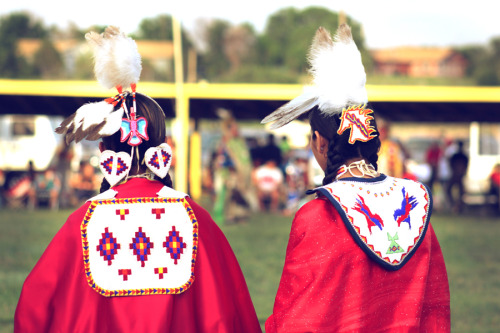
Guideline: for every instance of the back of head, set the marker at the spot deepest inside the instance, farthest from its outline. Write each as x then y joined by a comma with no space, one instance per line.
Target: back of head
336,102
130,124
156,129
340,149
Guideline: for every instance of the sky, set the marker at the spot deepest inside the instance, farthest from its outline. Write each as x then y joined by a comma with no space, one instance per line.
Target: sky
386,23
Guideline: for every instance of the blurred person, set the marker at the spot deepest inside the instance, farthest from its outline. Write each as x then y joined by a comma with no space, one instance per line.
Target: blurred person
455,189
271,151
448,148
2,187
495,185
268,180
84,184
18,186
236,196
362,256
46,186
392,154
295,184
63,169
140,255
432,156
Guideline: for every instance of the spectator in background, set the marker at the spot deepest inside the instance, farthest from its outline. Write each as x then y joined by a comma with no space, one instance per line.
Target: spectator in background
268,179
391,156
2,187
63,169
458,162
495,183
46,186
17,186
432,157
271,151
84,184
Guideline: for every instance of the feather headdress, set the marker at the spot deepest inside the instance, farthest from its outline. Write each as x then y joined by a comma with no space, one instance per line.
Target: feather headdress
117,64
338,78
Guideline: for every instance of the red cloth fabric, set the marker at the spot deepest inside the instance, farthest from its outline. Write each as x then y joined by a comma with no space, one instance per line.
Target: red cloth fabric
57,298
330,285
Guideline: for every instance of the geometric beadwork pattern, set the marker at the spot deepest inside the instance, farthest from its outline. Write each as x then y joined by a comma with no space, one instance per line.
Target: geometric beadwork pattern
174,245
160,271
373,212
165,157
141,246
158,159
119,254
108,247
125,273
122,213
157,212
114,166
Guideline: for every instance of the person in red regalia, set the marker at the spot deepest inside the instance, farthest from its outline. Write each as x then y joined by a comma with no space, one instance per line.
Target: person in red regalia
140,256
362,256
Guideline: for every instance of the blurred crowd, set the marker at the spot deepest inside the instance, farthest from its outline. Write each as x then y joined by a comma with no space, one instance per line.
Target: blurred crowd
56,187
254,174
245,175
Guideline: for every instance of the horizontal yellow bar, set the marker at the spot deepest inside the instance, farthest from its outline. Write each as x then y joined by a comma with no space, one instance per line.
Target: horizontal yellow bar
241,91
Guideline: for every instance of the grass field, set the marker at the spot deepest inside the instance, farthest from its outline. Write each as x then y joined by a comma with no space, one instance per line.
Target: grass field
470,246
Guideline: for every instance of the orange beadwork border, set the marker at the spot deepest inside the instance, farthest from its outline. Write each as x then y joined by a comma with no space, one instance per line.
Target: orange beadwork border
145,291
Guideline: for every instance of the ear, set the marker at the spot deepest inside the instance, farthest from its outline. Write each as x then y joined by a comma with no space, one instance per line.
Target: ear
321,143
101,147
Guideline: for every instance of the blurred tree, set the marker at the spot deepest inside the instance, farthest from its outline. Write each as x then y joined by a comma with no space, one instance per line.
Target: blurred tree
289,33
12,27
483,62
84,67
239,45
214,61
160,28
48,63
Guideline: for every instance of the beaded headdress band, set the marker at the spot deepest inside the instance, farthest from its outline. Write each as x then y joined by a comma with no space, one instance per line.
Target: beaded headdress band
117,64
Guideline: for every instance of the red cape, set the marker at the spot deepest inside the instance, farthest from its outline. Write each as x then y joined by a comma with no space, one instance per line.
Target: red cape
57,298
330,285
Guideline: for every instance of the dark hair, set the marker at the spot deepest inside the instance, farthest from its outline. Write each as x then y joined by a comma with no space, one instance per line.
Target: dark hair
149,109
339,148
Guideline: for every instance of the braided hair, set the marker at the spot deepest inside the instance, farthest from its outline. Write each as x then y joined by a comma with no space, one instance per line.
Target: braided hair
149,109
339,148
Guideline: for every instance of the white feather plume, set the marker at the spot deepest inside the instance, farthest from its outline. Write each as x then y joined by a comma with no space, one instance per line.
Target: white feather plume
338,78
91,121
337,70
117,61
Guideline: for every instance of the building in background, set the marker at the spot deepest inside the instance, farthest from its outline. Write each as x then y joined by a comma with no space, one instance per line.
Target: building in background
419,62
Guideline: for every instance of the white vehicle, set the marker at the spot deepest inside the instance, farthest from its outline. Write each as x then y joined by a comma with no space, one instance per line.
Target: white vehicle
25,138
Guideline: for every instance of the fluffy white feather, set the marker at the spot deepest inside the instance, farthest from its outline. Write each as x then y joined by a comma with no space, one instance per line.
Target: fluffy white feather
91,121
337,70
93,114
113,123
117,61
338,78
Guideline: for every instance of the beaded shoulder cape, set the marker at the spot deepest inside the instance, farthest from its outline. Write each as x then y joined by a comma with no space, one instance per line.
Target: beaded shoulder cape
387,217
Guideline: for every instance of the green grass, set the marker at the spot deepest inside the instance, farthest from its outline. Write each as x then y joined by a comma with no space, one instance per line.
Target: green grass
470,247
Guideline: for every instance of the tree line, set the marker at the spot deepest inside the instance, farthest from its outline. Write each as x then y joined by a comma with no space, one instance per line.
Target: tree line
225,52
